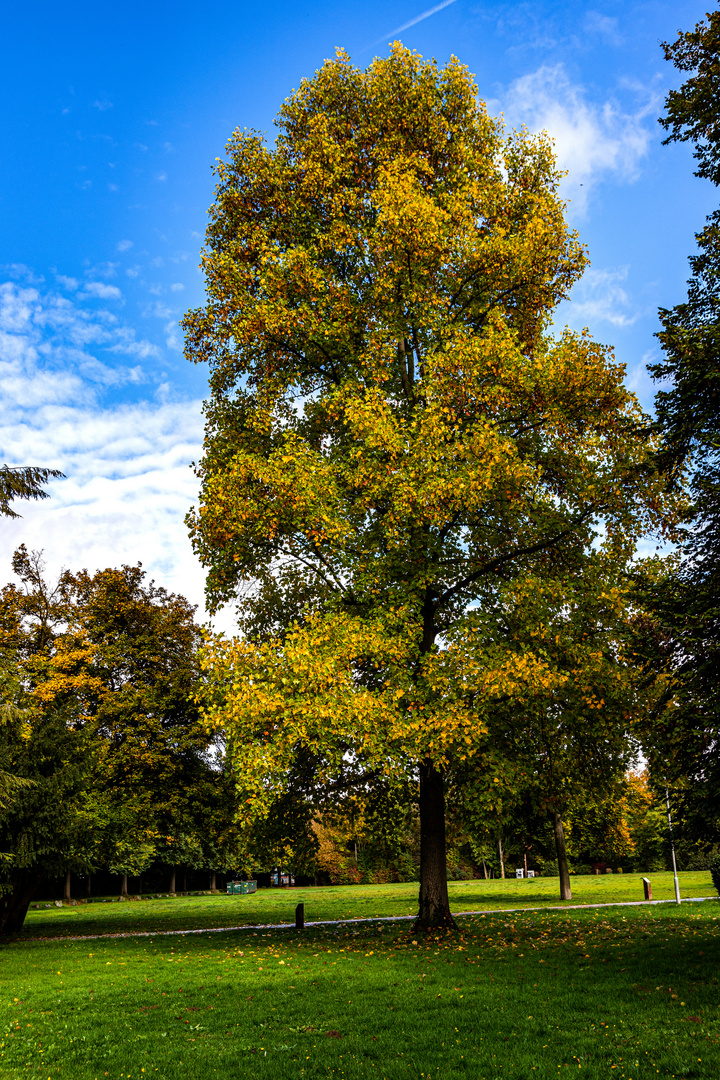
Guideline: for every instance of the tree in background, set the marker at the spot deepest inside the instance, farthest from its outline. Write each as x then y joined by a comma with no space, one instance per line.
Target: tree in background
45,740
23,482
18,482
392,433
577,741
142,675
104,673
682,639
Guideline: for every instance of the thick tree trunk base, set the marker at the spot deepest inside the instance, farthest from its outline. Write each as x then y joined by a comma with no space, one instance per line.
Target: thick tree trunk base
14,907
434,904
563,869
438,923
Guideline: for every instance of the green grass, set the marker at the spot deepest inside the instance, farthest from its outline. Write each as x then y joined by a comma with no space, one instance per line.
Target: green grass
345,902
614,992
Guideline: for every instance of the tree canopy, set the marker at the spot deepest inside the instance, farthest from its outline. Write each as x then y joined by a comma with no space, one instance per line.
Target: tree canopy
684,641
101,728
394,435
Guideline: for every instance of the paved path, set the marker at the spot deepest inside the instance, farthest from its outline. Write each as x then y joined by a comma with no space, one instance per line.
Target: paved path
357,922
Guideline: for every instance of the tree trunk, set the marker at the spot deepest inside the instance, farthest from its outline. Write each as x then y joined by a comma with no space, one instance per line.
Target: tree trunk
484,870
184,881
434,903
502,858
213,882
172,881
14,905
88,886
565,889
123,885
66,891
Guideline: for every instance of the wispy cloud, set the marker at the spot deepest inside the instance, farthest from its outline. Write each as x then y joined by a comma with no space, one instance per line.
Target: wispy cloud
102,291
601,296
57,349
128,479
413,22
592,140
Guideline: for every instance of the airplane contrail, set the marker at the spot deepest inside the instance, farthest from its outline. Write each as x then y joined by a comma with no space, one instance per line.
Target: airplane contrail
415,21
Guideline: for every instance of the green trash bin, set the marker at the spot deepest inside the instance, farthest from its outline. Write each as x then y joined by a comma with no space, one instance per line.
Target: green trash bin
241,888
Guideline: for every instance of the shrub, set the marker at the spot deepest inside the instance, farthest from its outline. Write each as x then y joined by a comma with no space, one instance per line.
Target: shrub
549,868
715,872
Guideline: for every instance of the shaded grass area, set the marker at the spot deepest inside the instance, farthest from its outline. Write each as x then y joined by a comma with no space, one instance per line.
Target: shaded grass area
345,902
618,992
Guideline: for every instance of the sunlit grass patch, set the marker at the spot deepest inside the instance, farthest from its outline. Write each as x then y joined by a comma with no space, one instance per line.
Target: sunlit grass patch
629,993
345,902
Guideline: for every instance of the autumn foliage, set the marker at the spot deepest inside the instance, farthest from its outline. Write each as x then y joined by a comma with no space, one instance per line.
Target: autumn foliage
394,435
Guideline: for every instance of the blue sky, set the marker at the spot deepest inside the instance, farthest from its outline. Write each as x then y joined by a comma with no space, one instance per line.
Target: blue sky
112,117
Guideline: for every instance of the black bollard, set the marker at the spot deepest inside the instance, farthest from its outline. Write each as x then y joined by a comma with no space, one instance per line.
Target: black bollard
300,917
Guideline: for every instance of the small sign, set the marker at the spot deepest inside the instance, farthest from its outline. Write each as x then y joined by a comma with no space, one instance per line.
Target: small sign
519,872
531,873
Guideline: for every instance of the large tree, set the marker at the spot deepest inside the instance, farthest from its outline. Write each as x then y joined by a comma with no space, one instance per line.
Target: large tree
684,639
392,429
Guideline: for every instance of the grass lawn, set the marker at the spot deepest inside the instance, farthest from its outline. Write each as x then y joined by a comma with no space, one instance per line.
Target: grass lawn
613,992
346,902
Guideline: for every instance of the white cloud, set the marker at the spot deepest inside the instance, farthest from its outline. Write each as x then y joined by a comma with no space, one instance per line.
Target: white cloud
128,482
69,283
604,26
600,296
124,245
54,349
103,105
592,140
173,339
103,270
102,291
128,487
641,382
